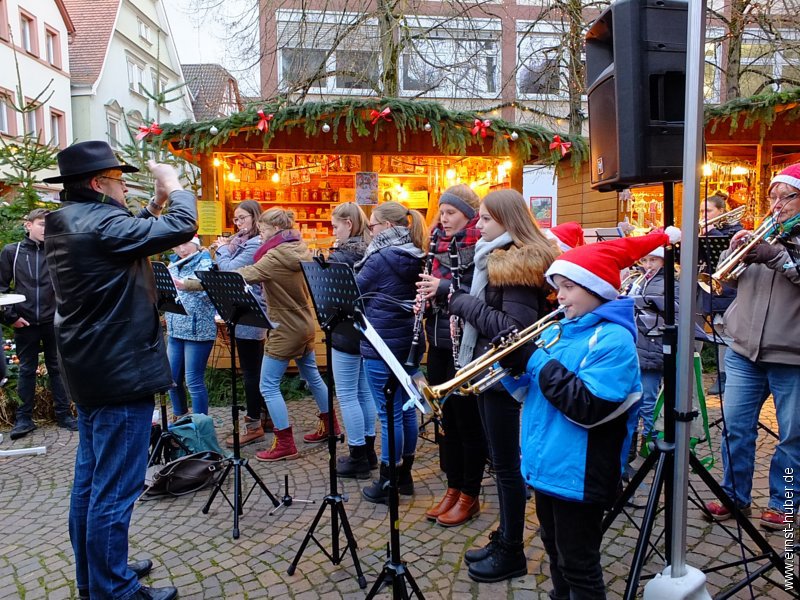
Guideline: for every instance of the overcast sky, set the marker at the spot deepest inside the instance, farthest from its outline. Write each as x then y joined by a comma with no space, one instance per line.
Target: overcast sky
200,39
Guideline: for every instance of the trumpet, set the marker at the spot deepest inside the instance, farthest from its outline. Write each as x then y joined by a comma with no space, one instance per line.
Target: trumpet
632,284
481,374
726,218
732,267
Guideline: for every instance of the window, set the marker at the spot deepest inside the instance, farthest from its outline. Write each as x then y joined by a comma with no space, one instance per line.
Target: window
300,65
112,129
52,47
145,32
33,120
159,82
135,76
3,20
58,131
357,69
30,42
539,64
4,108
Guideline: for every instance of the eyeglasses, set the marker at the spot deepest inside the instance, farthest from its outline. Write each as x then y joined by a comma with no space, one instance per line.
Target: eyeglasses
241,219
785,199
371,225
111,178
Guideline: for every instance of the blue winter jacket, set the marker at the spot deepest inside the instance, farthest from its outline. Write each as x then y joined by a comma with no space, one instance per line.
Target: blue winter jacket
197,324
579,412
393,272
243,256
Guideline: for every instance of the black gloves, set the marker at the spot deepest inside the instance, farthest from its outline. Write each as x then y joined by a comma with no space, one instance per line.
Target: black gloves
518,359
763,253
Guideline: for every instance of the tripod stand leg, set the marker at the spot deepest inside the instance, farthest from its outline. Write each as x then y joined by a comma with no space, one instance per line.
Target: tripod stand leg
309,535
260,483
351,543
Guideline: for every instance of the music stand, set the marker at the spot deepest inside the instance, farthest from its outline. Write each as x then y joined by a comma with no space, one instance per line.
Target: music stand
709,249
394,572
235,303
167,302
335,295
603,234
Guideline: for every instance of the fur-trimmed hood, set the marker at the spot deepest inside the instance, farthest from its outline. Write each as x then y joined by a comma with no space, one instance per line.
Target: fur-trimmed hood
519,266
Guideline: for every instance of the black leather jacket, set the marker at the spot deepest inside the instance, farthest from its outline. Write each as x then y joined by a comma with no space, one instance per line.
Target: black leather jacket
110,342
23,270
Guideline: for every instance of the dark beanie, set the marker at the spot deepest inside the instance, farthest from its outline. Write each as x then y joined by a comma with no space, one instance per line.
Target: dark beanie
453,200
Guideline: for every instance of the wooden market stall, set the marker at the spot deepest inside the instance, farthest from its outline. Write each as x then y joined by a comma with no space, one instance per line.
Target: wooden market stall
310,157
747,140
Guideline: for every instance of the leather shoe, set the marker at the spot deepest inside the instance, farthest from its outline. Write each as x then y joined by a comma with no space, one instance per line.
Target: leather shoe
141,567
465,509
445,504
148,593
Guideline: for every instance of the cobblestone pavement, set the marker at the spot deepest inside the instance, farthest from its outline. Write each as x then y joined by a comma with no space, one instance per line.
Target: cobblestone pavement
196,552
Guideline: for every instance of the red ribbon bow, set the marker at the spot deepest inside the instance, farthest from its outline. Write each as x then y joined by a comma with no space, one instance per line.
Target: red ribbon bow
481,127
377,116
144,131
263,121
558,144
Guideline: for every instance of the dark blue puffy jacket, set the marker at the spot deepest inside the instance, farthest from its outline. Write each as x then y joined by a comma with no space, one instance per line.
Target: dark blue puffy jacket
393,272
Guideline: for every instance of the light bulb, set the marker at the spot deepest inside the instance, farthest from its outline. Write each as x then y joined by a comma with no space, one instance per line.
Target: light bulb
217,162
707,170
276,177
450,173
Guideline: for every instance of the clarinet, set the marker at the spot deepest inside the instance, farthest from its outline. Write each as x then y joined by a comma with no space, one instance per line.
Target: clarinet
414,354
455,284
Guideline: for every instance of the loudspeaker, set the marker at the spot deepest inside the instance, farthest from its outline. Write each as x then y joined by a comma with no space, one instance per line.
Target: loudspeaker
636,79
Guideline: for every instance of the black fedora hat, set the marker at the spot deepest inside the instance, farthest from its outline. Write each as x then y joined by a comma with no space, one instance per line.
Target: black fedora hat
84,158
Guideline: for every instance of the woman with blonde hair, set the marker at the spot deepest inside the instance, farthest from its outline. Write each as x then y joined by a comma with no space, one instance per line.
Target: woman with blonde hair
387,277
508,289
350,227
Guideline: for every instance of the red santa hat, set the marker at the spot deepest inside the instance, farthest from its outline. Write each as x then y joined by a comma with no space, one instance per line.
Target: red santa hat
596,267
567,235
790,175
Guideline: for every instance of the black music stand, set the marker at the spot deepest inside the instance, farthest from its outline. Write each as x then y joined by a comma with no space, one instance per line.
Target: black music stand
709,249
395,571
335,295
661,459
236,304
167,302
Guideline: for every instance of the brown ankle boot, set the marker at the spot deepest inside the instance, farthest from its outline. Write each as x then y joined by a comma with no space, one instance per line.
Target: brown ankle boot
282,447
321,433
253,432
445,504
465,509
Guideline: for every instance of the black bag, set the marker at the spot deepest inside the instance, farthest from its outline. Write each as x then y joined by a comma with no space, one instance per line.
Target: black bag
185,475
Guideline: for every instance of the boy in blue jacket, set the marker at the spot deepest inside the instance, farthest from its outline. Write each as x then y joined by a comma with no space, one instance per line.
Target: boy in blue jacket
580,408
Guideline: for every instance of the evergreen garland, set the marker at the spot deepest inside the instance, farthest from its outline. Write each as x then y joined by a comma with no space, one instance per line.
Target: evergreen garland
761,108
451,130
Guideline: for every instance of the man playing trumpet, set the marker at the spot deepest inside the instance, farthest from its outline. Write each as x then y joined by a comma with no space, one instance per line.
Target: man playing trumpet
764,325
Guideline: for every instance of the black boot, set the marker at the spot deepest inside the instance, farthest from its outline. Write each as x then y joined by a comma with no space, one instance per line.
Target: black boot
630,470
355,466
477,554
378,491
405,482
371,456
718,387
506,562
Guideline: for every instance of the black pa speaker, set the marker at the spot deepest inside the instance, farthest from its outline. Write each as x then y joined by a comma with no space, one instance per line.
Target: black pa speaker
636,79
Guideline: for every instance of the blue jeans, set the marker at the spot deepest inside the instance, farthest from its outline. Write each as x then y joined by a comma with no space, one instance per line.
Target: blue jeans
406,427
272,370
746,388
651,385
109,476
355,398
188,360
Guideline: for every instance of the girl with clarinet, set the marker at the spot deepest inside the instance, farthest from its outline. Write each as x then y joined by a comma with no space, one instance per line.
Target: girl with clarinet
463,444
508,290
387,277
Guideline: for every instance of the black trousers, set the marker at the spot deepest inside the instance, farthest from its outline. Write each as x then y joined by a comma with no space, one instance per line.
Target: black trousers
31,340
463,440
250,354
500,415
571,533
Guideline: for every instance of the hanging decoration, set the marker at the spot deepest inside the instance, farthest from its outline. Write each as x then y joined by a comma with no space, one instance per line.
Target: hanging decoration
263,121
385,114
559,144
144,131
427,126
213,130
481,127
326,128
514,136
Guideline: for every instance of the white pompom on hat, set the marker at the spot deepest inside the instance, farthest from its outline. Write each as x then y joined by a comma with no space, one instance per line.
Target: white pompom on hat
596,267
790,175
196,240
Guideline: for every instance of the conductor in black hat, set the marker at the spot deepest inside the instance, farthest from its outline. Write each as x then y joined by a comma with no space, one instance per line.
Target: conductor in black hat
111,348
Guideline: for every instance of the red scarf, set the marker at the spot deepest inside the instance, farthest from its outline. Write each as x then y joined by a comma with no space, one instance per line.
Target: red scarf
283,236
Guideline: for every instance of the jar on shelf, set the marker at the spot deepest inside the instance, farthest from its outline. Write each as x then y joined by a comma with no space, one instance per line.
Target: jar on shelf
305,195
294,195
314,195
